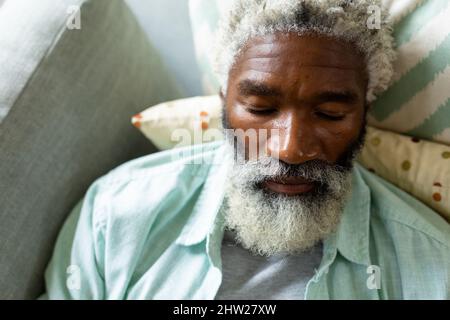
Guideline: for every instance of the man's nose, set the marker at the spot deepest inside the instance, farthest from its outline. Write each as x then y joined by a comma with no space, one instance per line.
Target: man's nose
294,143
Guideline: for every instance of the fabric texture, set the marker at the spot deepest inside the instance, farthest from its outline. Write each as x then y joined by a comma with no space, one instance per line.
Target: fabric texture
67,122
419,167
250,277
25,38
418,101
153,229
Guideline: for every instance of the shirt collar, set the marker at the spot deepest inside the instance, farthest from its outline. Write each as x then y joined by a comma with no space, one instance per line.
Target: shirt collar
352,236
203,218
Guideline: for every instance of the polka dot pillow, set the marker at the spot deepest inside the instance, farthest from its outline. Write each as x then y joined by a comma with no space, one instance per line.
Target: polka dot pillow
419,167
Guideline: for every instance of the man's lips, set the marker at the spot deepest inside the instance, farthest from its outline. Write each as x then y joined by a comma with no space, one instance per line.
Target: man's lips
290,185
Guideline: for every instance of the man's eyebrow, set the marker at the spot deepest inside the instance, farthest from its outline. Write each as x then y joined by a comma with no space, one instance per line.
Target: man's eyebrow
345,96
255,88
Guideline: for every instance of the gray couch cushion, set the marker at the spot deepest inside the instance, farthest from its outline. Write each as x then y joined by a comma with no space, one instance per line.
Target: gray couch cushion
69,124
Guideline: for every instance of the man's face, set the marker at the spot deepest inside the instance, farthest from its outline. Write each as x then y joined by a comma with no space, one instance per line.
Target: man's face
312,90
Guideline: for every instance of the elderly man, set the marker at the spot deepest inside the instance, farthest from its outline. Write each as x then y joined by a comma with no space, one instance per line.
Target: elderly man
295,220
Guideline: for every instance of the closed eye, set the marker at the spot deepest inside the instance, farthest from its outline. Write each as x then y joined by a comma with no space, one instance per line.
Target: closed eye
261,112
330,117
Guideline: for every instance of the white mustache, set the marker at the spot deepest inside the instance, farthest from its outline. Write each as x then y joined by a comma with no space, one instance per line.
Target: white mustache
267,168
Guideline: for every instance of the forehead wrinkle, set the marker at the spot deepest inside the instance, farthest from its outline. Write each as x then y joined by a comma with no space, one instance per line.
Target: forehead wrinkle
280,60
284,47
278,47
272,68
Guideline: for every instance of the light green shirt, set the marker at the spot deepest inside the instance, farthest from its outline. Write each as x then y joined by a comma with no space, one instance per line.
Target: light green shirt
152,229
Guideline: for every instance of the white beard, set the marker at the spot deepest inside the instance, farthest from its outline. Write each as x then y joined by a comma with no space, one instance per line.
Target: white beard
267,223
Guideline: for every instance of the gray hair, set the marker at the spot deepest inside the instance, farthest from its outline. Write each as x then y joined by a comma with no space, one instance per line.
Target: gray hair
342,19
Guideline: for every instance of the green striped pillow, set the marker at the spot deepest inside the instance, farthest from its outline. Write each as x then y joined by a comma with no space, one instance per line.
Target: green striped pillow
417,103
